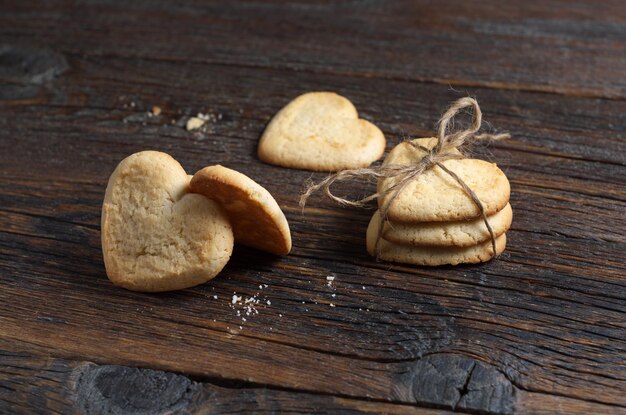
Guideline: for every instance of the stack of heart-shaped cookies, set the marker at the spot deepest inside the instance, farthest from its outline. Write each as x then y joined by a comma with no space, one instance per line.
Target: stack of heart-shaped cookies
432,220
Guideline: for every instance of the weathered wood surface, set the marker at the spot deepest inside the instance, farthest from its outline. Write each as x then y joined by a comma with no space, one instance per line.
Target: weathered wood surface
555,46
31,384
538,331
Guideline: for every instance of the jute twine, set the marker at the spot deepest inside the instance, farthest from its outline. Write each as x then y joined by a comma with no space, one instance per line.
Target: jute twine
447,141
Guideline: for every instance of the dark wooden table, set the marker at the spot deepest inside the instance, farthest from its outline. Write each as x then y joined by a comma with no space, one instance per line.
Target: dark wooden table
541,330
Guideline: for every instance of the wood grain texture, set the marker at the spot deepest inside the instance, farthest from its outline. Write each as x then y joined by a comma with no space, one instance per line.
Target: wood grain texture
35,384
571,47
542,328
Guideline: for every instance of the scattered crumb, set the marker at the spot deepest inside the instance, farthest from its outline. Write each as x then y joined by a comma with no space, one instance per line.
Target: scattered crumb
364,287
333,295
246,306
156,111
194,123
332,305
329,280
215,297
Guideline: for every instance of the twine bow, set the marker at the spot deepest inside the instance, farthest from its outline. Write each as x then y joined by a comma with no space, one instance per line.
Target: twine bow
443,150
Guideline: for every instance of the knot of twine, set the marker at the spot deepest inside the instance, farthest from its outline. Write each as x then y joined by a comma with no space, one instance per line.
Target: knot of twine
443,150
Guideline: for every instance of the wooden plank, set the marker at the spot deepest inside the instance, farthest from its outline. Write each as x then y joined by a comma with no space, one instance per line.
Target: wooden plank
542,329
43,384
545,321
570,47
34,384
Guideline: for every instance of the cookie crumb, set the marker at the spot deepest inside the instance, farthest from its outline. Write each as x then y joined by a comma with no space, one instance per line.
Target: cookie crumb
194,123
156,111
329,280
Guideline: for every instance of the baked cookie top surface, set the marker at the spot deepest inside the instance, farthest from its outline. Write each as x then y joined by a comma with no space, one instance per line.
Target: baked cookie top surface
435,196
320,131
156,236
256,218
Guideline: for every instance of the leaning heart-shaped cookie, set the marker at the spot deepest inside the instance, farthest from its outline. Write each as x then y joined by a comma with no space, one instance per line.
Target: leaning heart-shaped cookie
256,218
321,131
155,235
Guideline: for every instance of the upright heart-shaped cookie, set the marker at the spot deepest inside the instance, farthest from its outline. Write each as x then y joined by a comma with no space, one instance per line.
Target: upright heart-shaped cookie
155,235
434,196
321,131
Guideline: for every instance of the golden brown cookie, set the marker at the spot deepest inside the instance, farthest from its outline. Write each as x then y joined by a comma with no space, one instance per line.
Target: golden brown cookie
256,218
434,196
460,233
156,236
321,131
429,255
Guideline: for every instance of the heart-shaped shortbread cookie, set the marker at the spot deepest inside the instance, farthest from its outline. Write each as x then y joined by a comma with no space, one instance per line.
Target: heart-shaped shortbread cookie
434,196
431,255
256,218
321,131
156,236
458,234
